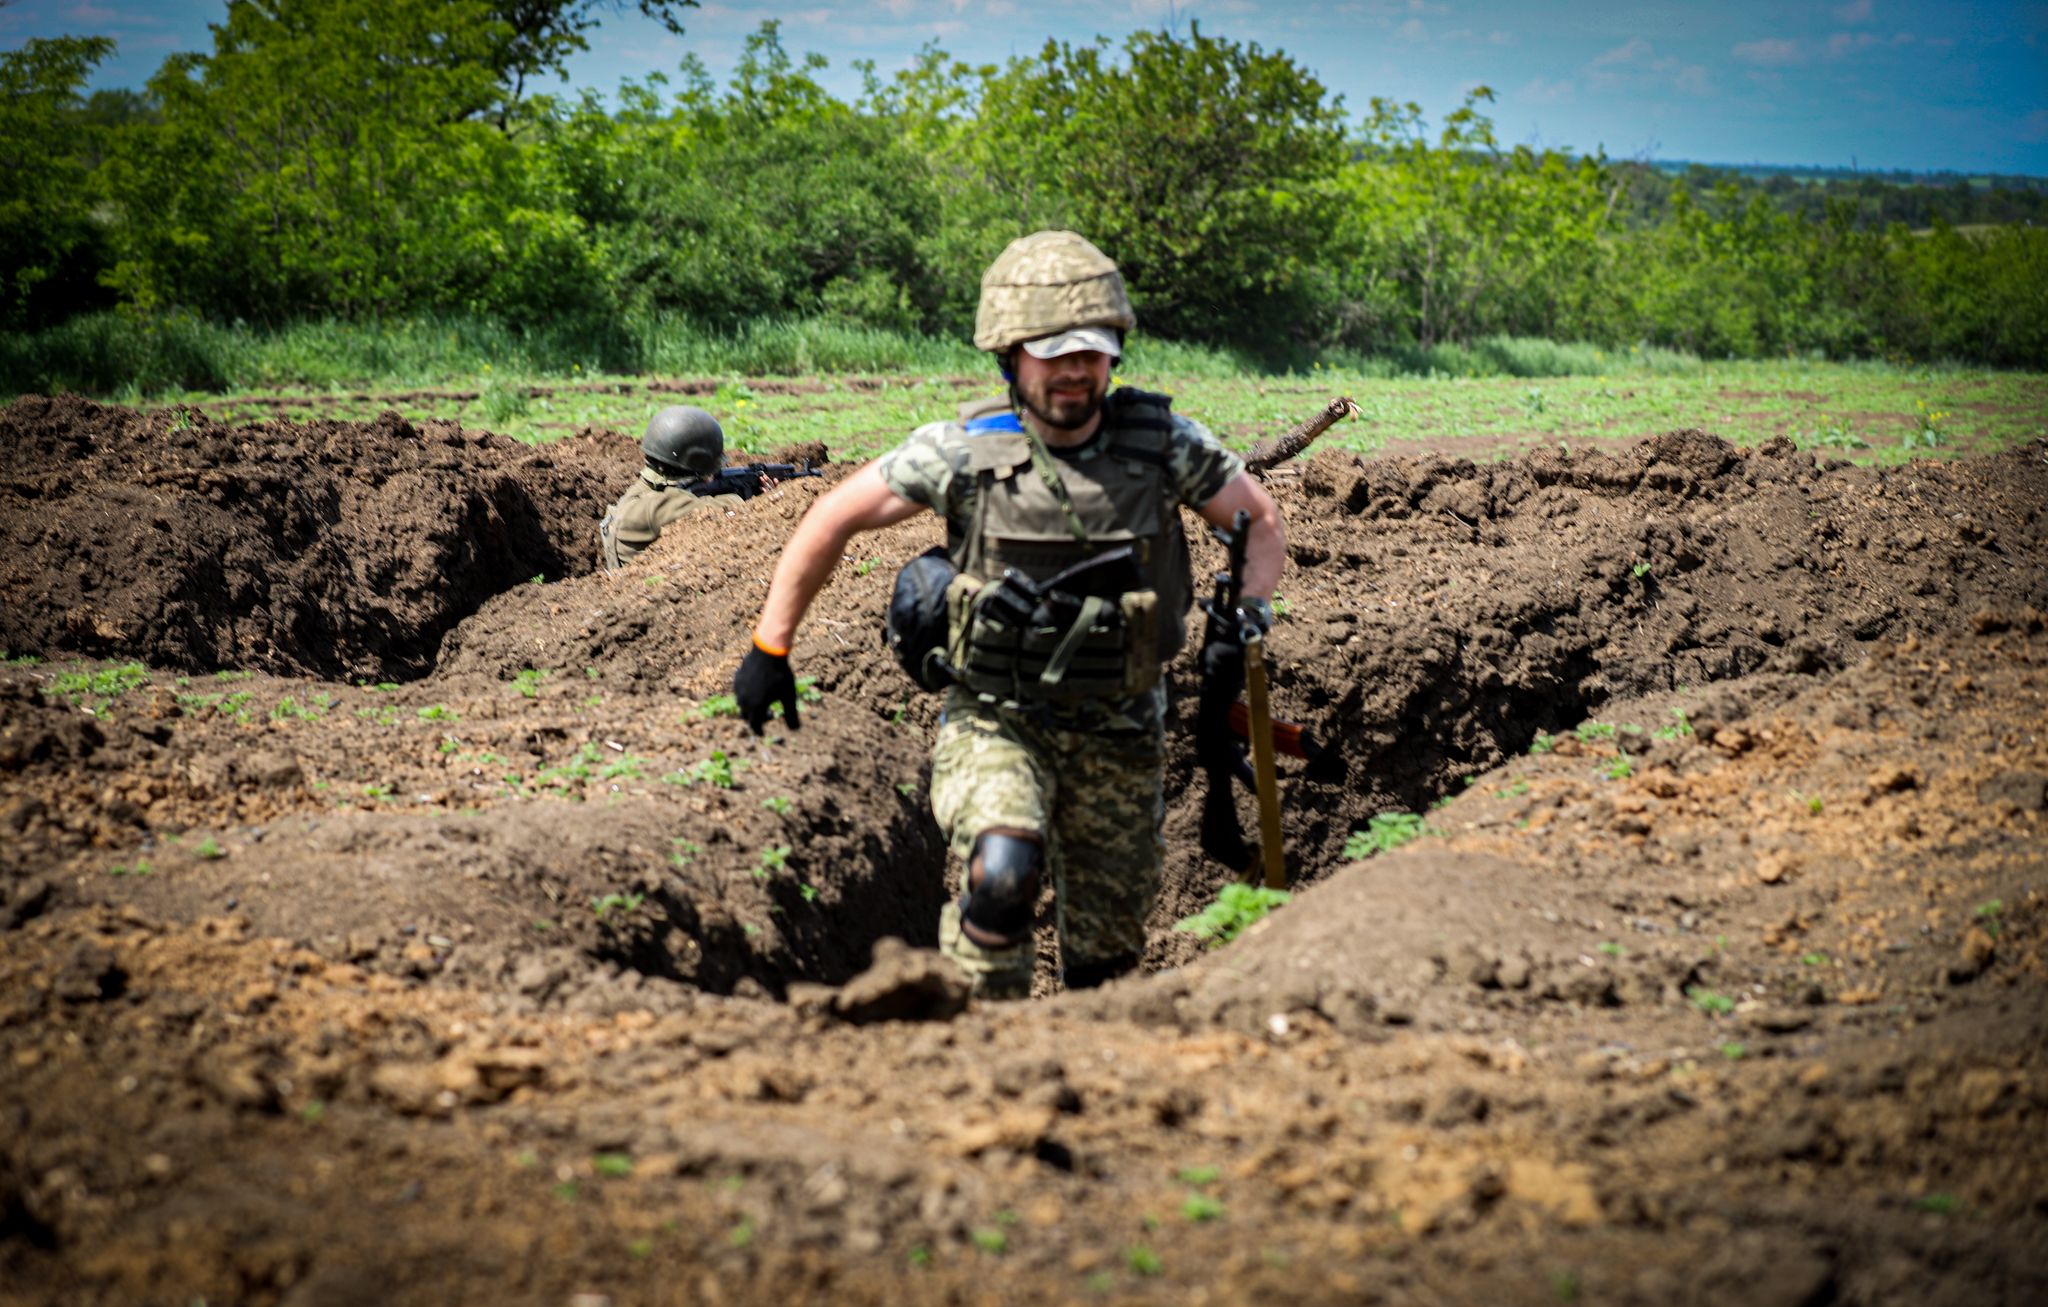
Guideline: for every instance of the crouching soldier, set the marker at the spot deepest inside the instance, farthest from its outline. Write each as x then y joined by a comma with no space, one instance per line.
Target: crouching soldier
1066,589
682,444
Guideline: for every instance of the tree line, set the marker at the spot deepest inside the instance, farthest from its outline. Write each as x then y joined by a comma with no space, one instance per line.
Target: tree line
369,158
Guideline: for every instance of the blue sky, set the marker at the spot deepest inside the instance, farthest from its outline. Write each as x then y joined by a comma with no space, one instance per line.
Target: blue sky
1920,84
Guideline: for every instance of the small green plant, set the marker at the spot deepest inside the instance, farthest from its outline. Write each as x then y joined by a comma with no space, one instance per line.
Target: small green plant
1386,832
920,1257
290,709
808,890
209,849
991,1240
1543,743
568,1191
717,770
1532,401
1618,768
1198,1176
1610,948
684,852
1811,802
1927,430
1988,915
777,804
1813,959
375,791
438,712
1515,791
1588,732
1937,1204
864,566
640,1249
1708,1001
623,902
1237,907
527,681
908,789
1201,1207
449,744
718,705
1734,1050
312,1112
141,868
807,690
1142,1260
20,660
1564,1286
773,858
741,1234
613,1166
1830,433
1281,607
1681,726
1639,571
625,767
103,686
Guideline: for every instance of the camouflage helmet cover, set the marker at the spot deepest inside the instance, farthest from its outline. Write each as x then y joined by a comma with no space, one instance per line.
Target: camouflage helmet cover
1047,282
687,438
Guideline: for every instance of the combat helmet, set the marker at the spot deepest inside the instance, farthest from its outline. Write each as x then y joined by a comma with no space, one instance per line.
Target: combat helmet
1047,282
684,441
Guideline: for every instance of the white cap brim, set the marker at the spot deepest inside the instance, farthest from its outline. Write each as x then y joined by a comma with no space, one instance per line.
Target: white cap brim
1099,339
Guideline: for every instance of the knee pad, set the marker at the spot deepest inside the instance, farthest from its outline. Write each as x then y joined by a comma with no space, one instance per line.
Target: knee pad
1087,975
1002,889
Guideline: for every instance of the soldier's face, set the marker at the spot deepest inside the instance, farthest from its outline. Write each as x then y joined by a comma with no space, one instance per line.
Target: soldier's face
1064,392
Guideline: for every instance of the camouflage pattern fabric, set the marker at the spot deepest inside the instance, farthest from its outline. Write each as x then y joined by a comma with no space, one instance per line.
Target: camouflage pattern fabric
1047,282
1098,800
649,504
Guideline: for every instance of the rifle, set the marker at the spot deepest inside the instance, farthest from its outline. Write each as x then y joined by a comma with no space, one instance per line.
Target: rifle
745,481
1222,836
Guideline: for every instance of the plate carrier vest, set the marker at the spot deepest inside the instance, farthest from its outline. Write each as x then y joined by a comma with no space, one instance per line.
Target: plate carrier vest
1072,650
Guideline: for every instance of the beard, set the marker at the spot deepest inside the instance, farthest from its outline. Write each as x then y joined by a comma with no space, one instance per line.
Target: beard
1063,409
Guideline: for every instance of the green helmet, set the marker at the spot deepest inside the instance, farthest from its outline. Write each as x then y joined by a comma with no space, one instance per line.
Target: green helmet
1048,282
684,441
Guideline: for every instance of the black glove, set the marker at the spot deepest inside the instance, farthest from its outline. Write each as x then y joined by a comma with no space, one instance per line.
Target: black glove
763,679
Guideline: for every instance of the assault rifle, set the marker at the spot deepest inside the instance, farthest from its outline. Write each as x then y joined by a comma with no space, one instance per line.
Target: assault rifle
748,480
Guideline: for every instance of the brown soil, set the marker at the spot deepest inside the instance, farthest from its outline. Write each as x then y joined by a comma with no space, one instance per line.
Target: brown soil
384,970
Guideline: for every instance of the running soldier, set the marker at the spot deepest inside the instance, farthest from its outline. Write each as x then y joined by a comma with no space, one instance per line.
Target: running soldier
1066,589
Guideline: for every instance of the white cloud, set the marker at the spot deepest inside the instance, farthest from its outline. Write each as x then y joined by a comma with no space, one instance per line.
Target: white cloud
1412,30
1693,80
1843,44
1636,52
87,12
1856,11
897,8
1541,91
1502,38
1770,52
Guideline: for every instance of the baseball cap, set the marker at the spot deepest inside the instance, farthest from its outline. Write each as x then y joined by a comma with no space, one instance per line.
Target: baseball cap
1100,339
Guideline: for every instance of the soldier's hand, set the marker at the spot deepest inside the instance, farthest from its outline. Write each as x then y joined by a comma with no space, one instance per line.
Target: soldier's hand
764,679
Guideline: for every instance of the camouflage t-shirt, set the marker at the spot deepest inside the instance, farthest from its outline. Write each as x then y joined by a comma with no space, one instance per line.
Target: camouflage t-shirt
930,467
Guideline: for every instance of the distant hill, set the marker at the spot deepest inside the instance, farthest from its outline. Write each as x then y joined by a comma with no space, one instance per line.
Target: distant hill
1818,174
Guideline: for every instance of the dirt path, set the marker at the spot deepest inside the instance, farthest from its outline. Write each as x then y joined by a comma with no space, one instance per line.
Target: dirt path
400,929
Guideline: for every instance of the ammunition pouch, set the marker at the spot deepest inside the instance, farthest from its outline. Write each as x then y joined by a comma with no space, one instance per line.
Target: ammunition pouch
1090,632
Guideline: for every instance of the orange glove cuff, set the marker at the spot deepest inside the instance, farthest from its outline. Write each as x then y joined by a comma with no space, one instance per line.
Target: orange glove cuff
769,649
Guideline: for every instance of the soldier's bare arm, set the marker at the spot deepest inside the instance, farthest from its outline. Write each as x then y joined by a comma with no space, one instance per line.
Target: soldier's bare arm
1266,548
863,502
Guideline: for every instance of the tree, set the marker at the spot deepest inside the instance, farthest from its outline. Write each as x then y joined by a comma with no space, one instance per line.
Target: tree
1197,164
49,243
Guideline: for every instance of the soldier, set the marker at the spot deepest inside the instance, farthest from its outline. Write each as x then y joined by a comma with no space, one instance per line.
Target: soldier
1051,747
681,444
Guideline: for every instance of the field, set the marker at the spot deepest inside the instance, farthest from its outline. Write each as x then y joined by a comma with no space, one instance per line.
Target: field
392,910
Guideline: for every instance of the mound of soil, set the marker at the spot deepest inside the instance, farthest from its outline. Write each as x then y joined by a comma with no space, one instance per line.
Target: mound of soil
340,550
1716,976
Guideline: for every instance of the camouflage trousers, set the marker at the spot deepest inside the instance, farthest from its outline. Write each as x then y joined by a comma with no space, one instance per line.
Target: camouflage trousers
1096,798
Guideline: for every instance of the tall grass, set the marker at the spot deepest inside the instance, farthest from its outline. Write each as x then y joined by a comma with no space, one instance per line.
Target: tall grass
125,355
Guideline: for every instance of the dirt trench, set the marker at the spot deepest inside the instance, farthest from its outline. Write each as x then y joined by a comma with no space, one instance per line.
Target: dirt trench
387,841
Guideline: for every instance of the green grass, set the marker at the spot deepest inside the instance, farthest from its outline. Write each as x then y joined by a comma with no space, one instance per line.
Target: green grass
815,380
